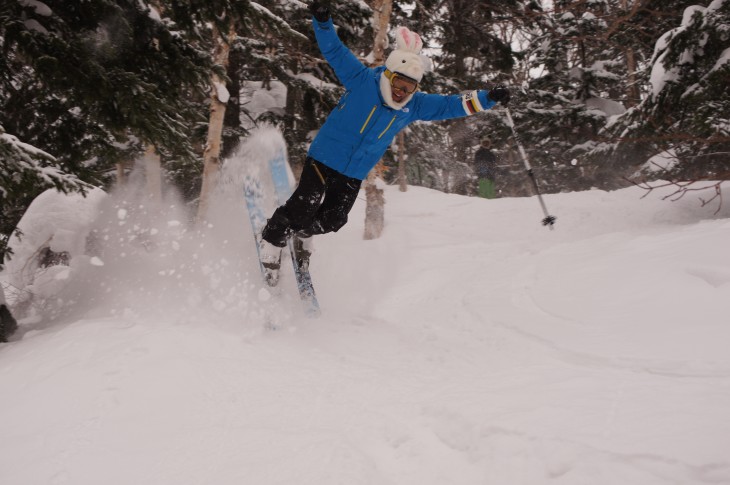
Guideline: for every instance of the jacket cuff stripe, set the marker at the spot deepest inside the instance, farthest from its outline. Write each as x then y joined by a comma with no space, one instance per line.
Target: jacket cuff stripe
471,103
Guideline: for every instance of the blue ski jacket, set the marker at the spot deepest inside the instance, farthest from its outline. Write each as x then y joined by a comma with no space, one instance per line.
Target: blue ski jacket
362,126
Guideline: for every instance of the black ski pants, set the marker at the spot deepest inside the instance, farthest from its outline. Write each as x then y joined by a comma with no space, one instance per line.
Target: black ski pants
319,204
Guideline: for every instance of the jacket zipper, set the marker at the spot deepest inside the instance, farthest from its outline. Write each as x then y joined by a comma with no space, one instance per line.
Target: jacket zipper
368,120
387,127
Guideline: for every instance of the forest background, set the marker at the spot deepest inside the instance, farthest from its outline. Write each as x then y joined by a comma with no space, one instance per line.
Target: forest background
606,93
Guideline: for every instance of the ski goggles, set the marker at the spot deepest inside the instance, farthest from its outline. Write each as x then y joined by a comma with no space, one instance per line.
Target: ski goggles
400,83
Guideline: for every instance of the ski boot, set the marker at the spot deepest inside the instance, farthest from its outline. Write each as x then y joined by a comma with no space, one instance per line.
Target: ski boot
302,247
270,257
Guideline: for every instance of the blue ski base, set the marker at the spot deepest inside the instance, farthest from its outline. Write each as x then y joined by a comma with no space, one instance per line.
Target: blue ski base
254,195
304,281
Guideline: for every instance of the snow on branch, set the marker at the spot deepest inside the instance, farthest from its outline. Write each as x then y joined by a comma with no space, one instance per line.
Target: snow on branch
24,164
277,22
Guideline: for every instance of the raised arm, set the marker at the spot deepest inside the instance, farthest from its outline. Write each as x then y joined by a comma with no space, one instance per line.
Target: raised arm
347,67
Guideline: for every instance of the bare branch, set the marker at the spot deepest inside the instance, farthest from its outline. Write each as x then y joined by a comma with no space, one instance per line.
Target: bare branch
683,187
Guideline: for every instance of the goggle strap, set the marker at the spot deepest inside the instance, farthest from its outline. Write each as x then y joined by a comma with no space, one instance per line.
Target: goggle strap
390,74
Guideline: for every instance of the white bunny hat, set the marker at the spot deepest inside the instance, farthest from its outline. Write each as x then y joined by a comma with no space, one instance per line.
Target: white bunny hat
406,58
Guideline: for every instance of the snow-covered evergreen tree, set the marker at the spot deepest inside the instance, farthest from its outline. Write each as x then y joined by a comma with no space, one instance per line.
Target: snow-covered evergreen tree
114,64
88,83
685,114
567,101
633,26
24,170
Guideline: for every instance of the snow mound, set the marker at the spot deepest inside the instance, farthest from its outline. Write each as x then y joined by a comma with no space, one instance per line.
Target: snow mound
52,242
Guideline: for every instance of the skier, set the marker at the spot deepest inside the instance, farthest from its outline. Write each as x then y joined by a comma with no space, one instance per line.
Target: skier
377,104
485,167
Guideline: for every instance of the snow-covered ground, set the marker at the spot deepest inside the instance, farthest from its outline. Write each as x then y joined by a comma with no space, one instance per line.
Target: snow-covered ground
468,345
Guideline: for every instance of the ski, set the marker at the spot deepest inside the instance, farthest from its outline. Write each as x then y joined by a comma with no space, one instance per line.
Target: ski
253,193
297,247
300,259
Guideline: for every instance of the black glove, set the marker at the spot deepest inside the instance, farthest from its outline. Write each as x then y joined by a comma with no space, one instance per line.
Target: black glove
500,94
320,11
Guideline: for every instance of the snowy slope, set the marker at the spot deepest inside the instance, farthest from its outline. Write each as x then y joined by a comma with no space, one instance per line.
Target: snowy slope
469,345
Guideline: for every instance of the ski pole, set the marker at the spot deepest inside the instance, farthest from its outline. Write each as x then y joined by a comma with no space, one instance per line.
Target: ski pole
548,220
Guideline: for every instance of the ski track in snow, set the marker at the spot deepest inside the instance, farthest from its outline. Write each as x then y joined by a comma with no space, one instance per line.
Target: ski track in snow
468,345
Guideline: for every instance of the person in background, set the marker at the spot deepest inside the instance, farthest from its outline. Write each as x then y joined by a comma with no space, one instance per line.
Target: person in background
485,166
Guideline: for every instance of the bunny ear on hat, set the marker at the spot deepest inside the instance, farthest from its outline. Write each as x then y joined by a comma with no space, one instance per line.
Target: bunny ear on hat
408,41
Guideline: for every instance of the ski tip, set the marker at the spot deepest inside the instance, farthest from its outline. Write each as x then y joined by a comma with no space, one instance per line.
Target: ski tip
313,312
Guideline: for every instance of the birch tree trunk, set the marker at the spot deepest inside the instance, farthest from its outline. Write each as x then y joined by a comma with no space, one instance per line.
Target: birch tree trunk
121,174
375,207
382,10
633,96
153,174
218,100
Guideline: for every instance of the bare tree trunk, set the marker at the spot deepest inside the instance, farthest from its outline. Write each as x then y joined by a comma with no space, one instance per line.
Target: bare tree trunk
402,159
632,91
632,94
218,101
382,10
153,174
121,174
375,207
